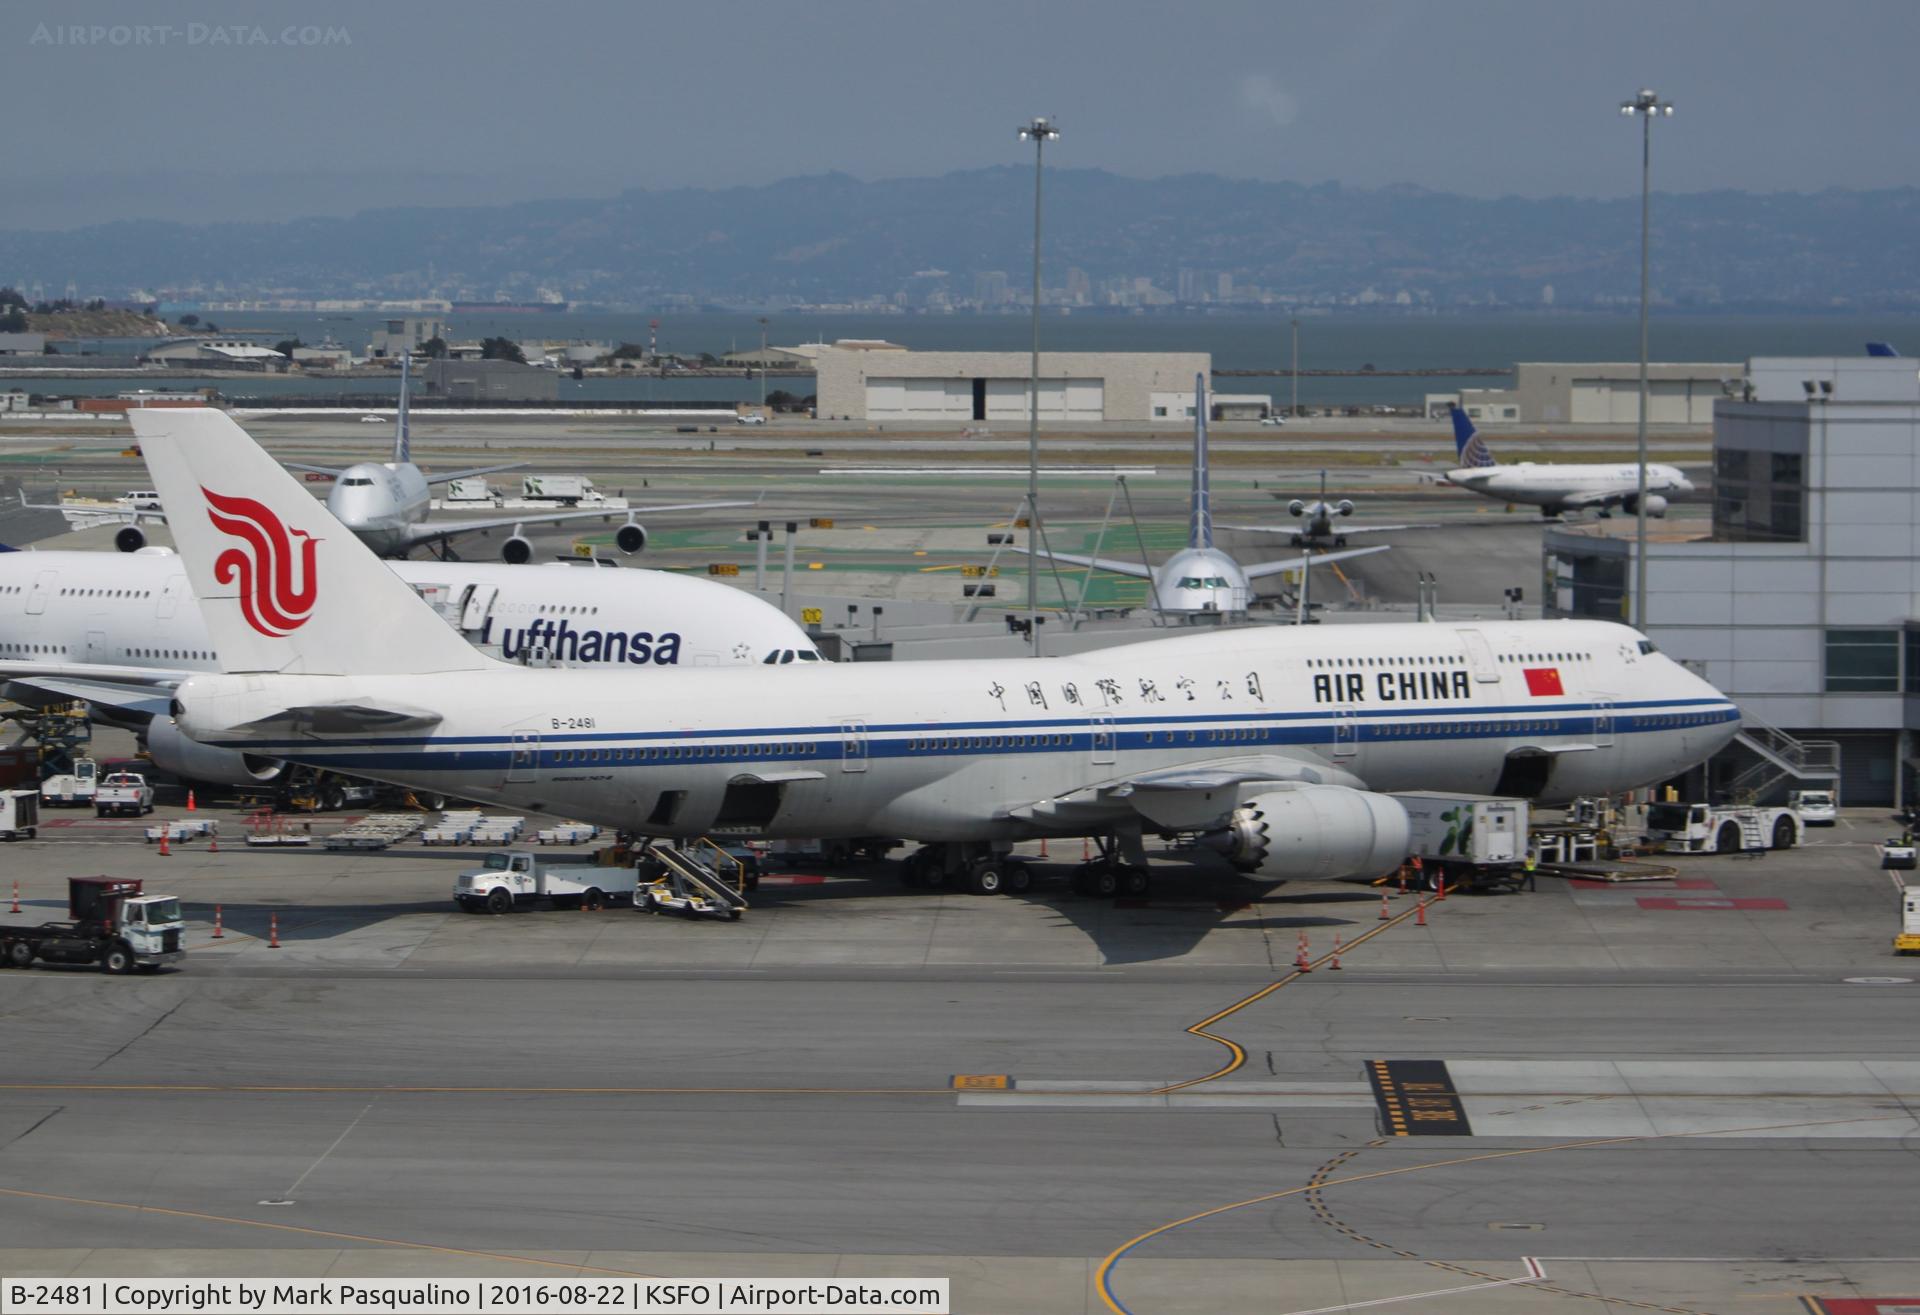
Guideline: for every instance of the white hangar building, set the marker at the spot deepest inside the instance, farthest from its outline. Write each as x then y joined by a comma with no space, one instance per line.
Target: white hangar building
894,384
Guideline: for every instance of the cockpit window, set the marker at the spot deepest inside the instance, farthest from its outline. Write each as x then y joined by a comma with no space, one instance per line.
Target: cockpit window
1646,646
808,655
359,483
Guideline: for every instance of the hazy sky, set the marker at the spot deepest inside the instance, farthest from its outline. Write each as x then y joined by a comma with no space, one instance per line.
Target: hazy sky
434,103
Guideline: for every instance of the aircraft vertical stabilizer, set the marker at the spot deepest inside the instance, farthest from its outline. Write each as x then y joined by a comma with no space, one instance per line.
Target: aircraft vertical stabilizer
402,440
1472,448
1200,527
268,563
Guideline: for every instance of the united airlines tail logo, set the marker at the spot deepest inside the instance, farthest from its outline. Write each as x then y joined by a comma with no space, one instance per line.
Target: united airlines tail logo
1476,454
276,593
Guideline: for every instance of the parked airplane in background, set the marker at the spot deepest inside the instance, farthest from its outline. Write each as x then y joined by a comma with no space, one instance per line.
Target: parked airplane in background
1318,530
1201,577
1555,488
1274,745
120,630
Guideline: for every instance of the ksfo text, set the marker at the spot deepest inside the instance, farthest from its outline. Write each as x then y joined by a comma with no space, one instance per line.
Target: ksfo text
798,1296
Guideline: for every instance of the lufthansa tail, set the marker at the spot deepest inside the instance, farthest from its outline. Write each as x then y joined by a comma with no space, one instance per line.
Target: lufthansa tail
1472,448
1200,526
283,585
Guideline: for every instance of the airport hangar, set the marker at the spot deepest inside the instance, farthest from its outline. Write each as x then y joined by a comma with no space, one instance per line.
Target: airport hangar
1803,603
1595,393
884,382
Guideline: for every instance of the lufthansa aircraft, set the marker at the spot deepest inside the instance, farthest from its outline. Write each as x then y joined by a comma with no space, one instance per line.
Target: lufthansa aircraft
1201,577
1275,745
1556,488
120,630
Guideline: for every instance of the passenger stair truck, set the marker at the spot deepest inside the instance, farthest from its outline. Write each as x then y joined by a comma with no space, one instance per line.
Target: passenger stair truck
681,884
1720,829
110,922
1475,841
516,878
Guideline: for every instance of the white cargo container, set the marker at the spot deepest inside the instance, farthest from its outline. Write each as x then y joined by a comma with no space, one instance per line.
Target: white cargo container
1475,839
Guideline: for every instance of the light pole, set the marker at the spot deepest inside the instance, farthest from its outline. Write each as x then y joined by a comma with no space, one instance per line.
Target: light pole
763,365
1646,106
1039,132
1294,410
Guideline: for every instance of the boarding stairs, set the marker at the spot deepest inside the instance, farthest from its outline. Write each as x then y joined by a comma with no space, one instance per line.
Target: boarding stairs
690,886
1780,756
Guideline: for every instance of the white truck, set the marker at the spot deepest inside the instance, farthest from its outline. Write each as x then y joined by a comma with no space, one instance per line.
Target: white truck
72,789
124,793
1908,939
1475,841
567,490
514,878
1721,828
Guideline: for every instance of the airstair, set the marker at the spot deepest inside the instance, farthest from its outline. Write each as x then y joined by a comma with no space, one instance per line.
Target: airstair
1780,756
689,887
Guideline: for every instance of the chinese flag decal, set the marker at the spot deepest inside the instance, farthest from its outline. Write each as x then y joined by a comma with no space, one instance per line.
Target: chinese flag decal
1544,681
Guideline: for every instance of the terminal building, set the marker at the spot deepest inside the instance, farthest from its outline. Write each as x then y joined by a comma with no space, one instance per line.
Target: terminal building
887,383
1803,604
1589,393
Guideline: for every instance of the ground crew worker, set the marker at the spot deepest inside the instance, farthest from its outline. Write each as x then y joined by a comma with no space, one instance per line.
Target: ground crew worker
1527,882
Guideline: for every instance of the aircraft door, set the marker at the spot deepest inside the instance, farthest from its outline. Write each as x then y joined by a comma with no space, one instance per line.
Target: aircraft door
853,746
1479,656
170,595
42,587
479,602
524,759
1603,721
96,646
1346,740
1103,739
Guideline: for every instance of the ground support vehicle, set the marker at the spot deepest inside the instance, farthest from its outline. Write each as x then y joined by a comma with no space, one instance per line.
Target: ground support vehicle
1472,841
676,882
110,922
1720,828
19,814
72,789
515,878
1815,807
123,793
1908,941
1897,853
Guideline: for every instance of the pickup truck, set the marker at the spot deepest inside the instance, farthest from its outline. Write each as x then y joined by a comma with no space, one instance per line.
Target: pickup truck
123,792
515,878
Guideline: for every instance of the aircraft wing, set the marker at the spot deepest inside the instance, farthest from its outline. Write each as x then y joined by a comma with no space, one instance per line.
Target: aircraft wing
136,691
1114,564
1195,796
477,470
438,531
1260,569
341,719
1595,499
86,518
1340,530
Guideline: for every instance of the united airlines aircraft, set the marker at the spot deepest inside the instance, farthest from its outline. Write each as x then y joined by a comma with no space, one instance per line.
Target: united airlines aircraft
1278,746
1556,488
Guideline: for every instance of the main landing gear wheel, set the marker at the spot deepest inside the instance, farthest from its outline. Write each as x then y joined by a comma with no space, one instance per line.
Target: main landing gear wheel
987,878
1019,878
1134,881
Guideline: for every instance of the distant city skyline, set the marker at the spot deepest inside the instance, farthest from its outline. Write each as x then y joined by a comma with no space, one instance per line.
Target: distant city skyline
240,111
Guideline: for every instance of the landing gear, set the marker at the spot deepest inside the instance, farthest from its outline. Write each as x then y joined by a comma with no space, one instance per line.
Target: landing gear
1119,869
969,865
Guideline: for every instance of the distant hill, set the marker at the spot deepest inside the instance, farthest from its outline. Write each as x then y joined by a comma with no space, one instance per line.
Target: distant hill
97,324
834,238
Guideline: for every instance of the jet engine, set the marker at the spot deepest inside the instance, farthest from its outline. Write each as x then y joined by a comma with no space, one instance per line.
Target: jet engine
1343,508
1315,833
1656,505
517,550
189,760
630,538
1296,508
129,538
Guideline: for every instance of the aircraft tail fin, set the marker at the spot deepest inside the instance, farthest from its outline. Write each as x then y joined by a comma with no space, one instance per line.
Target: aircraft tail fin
1200,526
402,439
284,587
1472,448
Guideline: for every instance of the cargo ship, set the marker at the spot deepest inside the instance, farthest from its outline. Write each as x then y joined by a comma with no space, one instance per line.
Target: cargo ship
507,307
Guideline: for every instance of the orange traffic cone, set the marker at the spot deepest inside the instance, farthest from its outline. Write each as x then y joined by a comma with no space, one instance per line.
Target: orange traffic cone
1334,966
16,896
213,842
190,805
1420,918
1403,878
218,934
273,932
1043,846
1086,850
164,851
1386,914
1440,884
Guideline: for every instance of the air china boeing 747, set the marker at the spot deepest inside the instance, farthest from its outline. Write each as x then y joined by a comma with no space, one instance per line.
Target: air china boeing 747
1276,745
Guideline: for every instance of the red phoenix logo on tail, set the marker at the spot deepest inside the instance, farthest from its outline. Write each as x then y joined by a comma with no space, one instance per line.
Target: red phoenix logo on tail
269,597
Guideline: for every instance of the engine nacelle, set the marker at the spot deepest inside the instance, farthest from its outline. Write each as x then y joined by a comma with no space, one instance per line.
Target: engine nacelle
1656,505
517,550
1296,508
1343,508
129,538
1316,833
189,760
630,538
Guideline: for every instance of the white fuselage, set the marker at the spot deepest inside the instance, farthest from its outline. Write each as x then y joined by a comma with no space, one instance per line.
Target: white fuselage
379,502
1558,487
136,609
991,750
1201,580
